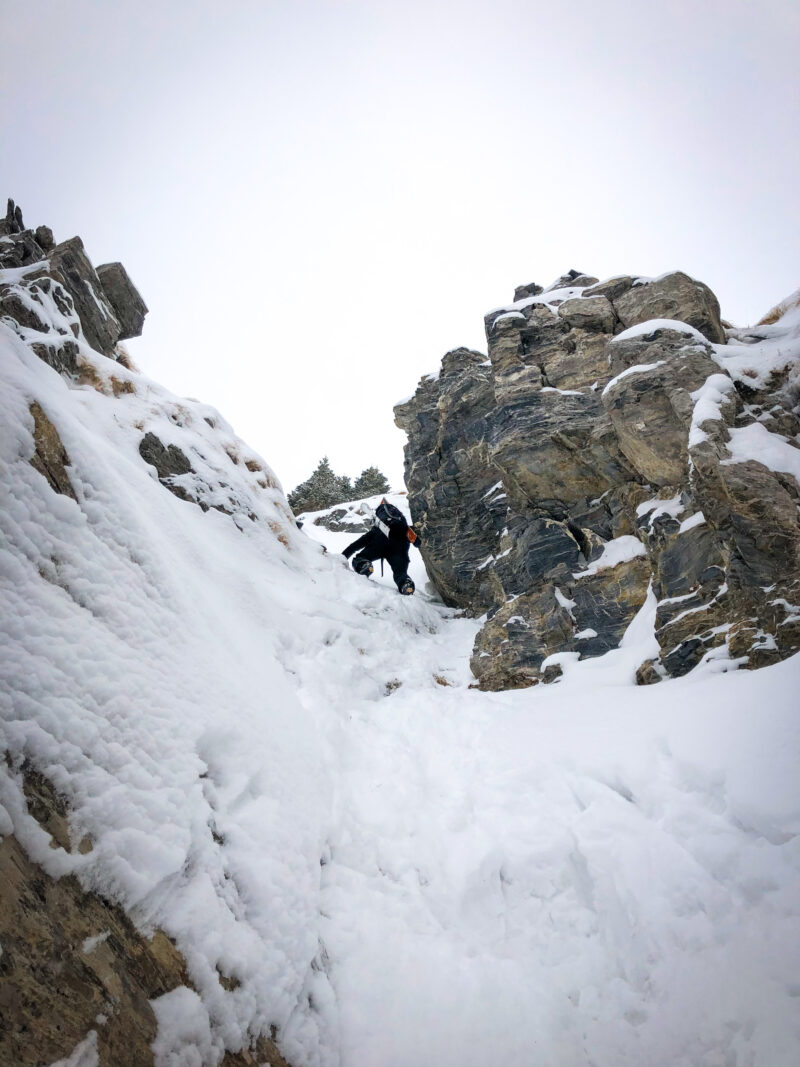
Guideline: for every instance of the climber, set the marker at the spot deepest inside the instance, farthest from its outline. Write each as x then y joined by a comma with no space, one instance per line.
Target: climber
390,538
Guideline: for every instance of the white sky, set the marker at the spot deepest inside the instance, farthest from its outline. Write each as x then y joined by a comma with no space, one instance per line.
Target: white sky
318,198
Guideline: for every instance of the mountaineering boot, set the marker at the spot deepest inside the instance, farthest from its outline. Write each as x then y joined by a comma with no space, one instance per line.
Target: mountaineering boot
362,566
406,587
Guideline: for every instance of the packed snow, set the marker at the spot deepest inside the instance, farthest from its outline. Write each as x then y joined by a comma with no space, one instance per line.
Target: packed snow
507,317
561,392
282,765
83,1055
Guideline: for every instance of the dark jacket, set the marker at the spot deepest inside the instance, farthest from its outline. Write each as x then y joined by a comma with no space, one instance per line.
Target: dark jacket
394,549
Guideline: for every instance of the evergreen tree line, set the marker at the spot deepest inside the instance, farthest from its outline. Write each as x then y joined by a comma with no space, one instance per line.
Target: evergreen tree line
325,488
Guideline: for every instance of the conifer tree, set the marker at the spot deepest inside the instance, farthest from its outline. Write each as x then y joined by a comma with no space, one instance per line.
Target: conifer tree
321,490
325,488
369,483
345,487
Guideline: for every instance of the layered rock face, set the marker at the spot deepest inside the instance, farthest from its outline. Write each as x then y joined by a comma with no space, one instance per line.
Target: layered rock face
618,443
103,303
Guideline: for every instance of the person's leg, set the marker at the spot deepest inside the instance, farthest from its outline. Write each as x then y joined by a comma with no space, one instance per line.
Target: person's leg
399,565
362,565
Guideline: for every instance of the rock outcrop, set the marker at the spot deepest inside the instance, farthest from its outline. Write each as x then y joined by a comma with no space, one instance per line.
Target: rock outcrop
596,458
353,518
103,305
50,458
124,298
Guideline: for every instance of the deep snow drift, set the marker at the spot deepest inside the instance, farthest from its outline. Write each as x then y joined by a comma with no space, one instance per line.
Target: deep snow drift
282,765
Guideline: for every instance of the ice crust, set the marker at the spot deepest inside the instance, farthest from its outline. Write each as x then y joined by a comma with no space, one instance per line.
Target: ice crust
280,764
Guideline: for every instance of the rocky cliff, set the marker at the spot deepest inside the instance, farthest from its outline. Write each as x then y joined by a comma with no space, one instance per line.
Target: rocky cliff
620,442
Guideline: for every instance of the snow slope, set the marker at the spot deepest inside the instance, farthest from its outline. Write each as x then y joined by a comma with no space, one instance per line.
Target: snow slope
282,765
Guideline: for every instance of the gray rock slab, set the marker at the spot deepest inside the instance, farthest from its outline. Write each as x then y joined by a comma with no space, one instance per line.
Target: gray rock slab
70,264
589,313
124,298
675,296
611,288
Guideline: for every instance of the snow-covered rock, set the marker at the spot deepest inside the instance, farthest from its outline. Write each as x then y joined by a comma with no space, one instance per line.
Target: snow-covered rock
597,398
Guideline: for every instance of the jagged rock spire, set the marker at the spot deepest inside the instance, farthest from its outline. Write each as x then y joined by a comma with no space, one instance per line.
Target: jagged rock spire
13,221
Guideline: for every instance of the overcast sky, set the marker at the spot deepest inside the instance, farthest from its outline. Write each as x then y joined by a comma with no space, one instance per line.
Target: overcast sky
318,198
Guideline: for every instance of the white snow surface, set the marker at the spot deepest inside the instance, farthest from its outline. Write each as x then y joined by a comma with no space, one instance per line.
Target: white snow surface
698,519
641,329
764,351
280,763
708,402
563,392
184,1037
551,298
656,507
91,943
772,449
508,316
619,550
